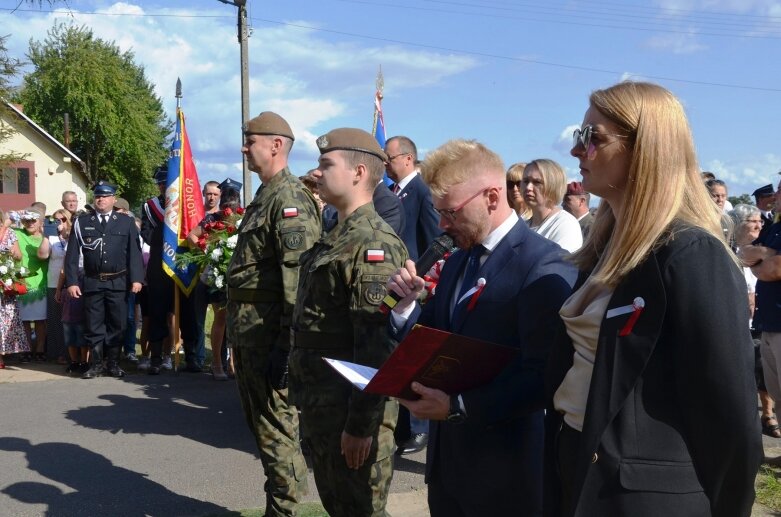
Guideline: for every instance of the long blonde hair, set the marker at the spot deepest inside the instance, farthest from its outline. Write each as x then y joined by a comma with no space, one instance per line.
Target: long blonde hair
663,183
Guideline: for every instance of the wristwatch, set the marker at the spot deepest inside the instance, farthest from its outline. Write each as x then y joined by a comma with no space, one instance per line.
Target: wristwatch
456,414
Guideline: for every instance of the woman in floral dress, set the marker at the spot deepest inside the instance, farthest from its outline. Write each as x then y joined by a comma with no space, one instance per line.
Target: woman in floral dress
12,337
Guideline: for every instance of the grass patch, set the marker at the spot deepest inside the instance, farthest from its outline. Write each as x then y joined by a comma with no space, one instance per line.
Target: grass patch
768,486
304,510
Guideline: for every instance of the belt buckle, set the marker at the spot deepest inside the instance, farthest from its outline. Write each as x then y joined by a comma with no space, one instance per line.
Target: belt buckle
102,277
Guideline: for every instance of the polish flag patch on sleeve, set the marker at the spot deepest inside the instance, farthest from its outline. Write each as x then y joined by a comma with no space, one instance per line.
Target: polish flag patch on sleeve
289,212
375,255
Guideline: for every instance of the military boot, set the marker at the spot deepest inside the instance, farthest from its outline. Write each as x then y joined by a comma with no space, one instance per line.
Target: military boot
113,363
95,370
96,363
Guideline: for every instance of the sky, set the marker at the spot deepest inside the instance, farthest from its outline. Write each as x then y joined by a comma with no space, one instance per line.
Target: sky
513,74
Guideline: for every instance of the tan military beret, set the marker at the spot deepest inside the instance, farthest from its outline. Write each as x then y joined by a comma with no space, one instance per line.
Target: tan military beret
350,139
122,203
268,123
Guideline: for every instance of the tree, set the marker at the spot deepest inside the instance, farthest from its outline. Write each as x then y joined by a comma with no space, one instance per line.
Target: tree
9,67
118,126
741,199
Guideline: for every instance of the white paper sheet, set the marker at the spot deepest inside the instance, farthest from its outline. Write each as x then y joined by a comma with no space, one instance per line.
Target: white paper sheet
358,374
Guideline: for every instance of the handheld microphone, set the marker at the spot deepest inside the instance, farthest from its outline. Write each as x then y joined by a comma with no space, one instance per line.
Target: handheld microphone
436,251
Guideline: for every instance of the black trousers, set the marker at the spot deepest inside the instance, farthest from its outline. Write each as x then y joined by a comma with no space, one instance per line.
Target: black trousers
567,448
160,302
105,318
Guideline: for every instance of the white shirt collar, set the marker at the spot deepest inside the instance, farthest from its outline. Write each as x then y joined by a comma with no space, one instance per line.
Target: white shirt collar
403,183
495,237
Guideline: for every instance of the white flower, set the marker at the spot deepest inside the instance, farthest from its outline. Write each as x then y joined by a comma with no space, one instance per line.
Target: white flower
216,254
3,270
237,223
231,242
8,282
218,282
22,270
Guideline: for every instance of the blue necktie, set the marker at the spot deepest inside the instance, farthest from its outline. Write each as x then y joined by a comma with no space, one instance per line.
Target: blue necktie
470,279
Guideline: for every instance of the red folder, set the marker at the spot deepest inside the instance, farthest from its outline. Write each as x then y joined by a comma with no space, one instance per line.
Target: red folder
441,360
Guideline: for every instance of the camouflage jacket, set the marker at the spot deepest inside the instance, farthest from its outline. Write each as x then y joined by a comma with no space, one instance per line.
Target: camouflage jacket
337,314
282,222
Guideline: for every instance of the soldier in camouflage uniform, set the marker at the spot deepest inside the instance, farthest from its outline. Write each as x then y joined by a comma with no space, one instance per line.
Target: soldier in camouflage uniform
279,224
350,433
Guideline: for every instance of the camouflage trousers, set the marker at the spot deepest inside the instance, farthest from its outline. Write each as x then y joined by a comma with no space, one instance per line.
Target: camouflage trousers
346,492
273,421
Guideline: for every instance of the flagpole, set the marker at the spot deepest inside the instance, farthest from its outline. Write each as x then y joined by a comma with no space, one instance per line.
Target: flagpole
174,334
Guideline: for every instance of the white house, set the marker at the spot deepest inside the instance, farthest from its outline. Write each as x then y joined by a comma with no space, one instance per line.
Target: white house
48,170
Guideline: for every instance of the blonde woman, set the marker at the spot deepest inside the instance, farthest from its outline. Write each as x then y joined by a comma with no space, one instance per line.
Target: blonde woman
32,305
544,185
653,401
53,248
515,190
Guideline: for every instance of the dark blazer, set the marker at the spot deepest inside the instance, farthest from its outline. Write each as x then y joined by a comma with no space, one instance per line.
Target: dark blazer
671,424
115,249
493,460
422,222
388,206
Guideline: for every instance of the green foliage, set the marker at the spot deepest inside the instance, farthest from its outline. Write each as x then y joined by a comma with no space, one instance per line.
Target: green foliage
741,199
9,67
118,126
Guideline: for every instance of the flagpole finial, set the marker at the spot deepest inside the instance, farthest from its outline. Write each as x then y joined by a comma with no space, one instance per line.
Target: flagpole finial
178,88
380,82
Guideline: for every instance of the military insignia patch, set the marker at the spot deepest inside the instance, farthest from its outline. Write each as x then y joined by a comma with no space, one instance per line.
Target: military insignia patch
374,293
374,256
294,240
322,142
289,212
88,240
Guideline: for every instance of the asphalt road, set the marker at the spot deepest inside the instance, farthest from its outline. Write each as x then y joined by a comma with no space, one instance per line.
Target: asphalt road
172,445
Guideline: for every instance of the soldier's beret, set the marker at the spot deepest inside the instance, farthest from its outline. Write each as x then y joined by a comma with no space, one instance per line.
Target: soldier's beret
122,204
350,139
575,188
161,174
230,184
767,190
268,123
103,188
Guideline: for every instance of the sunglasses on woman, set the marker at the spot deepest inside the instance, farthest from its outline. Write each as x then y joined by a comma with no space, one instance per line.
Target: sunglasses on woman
581,138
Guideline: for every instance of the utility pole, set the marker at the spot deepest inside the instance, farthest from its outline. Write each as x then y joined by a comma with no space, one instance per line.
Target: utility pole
243,35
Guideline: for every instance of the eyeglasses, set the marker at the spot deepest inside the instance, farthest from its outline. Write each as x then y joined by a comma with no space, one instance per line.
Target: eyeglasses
581,138
391,158
514,184
451,213
61,219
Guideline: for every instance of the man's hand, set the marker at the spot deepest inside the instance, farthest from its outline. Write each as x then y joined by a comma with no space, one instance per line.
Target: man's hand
752,255
355,450
433,404
136,287
406,283
74,291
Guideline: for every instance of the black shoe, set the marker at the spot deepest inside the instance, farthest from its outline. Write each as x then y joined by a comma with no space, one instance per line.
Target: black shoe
114,370
193,367
415,444
96,370
155,366
153,370
83,367
73,368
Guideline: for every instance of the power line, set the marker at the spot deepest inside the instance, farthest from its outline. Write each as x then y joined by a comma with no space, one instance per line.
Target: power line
431,47
513,58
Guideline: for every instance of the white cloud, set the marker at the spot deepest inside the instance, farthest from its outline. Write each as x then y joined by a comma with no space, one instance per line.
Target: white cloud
744,176
676,43
311,78
563,143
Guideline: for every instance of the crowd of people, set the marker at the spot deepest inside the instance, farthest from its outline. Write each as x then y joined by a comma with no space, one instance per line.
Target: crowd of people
645,327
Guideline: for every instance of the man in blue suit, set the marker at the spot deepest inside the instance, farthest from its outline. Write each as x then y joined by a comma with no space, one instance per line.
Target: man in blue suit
421,228
505,285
